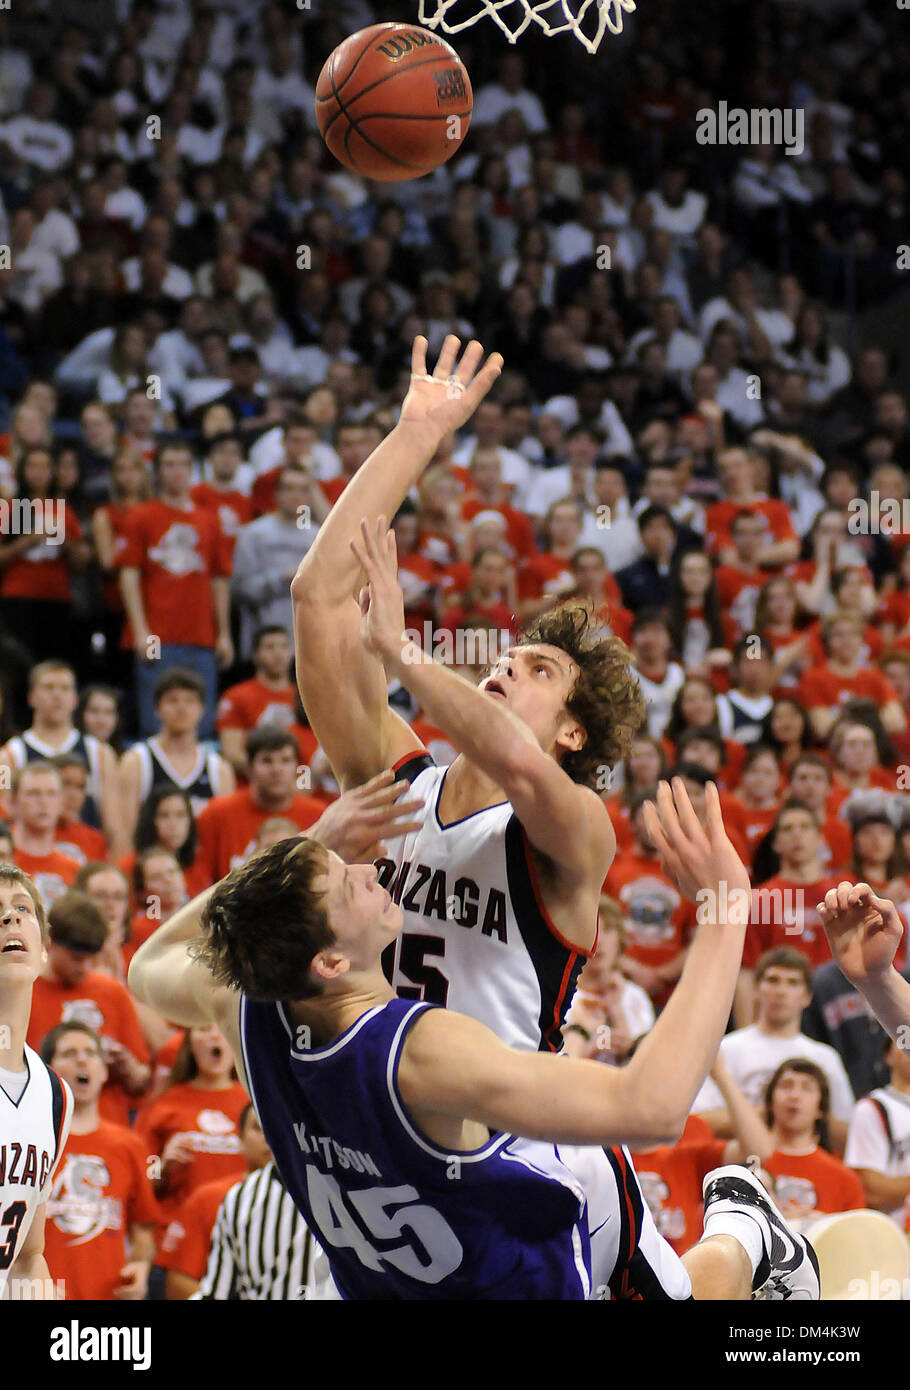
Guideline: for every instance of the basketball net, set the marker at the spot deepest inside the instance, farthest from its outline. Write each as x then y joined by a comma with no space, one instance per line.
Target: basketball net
553,16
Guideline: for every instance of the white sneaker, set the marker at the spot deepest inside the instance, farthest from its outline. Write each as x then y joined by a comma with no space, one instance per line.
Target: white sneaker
788,1267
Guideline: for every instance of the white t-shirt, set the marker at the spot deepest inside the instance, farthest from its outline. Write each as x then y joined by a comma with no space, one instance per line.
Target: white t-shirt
867,1138
659,698
753,1057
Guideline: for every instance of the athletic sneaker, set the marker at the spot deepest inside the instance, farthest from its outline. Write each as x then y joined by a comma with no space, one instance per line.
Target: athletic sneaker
788,1267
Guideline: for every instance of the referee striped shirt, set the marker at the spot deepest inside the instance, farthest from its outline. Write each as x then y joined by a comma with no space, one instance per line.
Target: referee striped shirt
261,1246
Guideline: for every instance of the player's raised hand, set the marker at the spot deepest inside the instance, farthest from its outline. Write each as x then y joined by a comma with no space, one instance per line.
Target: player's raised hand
863,930
700,858
381,601
356,825
443,401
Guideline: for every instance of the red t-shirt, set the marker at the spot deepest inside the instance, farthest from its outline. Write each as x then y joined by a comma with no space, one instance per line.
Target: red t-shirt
253,705
756,824
519,530
738,591
820,688
41,572
671,1180
417,576
185,1244
51,873
870,651
102,1187
231,509
497,615
105,1005
790,919
545,575
178,554
816,1179
659,920
879,777
79,841
228,824
895,609
209,1120
719,519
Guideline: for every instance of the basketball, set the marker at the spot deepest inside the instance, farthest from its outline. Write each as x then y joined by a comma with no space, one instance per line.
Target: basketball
393,102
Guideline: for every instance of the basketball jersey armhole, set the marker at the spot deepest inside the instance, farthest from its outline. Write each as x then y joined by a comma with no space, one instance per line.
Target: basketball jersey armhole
411,764
406,1120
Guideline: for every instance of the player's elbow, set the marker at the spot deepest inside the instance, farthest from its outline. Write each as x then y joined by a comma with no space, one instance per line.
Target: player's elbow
652,1116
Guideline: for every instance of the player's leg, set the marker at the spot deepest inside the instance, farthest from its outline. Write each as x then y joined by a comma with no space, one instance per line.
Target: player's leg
746,1237
718,1268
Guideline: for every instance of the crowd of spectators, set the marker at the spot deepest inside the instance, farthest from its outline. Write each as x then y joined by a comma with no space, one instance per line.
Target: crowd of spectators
206,328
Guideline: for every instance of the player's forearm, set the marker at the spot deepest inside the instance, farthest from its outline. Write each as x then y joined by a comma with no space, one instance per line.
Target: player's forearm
751,1133
479,725
142,1243
888,996
221,598
131,593
33,1268
882,1193
678,1053
328,571
179,1286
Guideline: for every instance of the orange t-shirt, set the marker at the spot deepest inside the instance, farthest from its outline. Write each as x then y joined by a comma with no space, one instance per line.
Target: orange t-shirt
659,920
185,1244
79,841
816,1179
41,572
671,1180
105,1005
102,1187
178,554
51,873
227,829
796,921
209,1119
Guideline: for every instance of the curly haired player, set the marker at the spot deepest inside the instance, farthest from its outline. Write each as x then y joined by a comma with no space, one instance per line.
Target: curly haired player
500,886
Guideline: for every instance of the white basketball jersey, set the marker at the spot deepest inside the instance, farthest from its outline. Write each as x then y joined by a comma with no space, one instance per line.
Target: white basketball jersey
33,1132
476,935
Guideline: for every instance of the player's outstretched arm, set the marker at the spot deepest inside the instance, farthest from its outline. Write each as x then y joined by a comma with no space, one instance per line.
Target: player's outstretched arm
864,932
454,1066
564,821
342,685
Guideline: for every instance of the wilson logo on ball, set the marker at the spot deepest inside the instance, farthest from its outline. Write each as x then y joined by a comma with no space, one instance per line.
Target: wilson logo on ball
449,85
403,44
